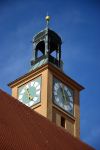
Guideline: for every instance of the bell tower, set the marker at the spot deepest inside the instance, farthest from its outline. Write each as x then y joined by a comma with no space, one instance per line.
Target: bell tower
47,42
46,88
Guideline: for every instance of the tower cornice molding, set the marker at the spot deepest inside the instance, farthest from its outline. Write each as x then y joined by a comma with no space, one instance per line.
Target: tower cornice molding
56,72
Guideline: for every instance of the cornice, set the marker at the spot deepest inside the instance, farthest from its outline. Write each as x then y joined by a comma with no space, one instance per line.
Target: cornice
55,71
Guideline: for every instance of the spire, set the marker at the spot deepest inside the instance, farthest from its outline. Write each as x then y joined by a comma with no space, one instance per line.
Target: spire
47,18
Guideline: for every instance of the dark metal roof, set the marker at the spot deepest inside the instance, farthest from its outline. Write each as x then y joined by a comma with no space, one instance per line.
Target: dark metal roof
51,34
23,129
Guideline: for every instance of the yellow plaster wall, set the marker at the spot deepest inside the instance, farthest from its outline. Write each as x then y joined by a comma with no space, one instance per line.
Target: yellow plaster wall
46,107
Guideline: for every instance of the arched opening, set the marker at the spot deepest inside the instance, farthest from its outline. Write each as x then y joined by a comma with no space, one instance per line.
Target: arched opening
39,53
54,54
40,49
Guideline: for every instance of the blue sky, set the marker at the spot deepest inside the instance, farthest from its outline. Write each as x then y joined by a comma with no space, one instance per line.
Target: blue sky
78,23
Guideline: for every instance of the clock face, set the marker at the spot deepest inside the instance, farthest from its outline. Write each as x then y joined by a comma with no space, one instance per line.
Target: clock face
63,96
29,94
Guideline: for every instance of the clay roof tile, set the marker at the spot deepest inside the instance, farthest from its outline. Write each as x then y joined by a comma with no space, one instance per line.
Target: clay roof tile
23,129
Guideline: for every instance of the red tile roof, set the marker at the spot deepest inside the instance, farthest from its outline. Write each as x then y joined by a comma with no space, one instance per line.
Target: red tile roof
23,129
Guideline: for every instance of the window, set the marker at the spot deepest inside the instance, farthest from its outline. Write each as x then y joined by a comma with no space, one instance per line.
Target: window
63,122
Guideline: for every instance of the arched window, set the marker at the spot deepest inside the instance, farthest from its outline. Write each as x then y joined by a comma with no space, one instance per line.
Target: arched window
40,49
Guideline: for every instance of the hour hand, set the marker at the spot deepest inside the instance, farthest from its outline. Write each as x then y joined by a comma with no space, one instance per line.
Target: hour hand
29,95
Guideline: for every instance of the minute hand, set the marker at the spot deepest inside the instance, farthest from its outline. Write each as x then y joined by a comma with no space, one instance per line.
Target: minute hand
64,95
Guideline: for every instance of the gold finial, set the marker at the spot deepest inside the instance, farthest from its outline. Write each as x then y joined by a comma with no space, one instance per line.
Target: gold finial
47,18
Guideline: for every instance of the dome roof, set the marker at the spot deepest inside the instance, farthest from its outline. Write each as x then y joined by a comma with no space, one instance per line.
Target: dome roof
53,36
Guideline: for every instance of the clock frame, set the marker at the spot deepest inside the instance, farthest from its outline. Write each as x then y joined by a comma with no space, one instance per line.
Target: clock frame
63,96
30,92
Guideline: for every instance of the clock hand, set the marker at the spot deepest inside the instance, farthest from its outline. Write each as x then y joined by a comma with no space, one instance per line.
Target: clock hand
29,95
65,99
63,94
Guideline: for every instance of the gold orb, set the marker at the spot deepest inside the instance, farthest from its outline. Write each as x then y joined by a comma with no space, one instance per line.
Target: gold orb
47,18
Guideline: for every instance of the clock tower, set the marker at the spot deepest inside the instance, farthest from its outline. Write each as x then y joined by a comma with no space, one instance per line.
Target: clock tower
46,88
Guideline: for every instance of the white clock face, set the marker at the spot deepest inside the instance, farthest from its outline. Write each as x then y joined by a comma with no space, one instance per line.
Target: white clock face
29,94
63,96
